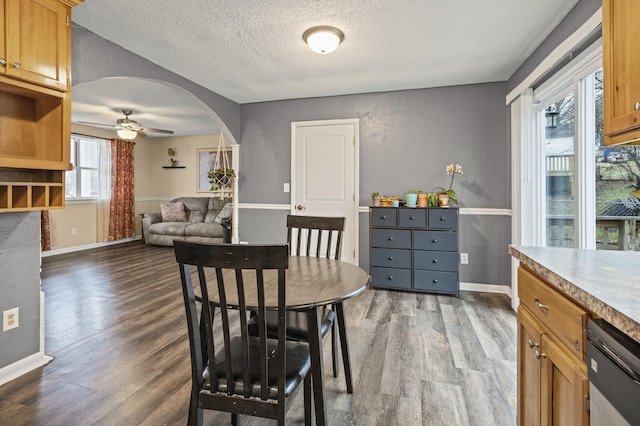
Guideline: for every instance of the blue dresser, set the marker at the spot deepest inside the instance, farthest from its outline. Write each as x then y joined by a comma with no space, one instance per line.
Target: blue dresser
414,249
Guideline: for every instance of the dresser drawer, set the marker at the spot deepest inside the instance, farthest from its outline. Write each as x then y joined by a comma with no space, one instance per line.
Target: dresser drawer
560,315
384,216
435,260
446,282
391,238
391,258
412,218
443,218
392,278
435,240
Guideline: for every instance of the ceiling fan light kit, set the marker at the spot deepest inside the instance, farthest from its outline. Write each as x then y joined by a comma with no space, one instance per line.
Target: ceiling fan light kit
127,134
323,39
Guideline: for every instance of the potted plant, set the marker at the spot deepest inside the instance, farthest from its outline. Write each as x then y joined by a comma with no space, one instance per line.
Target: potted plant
411,197
221,179
446,196
375,199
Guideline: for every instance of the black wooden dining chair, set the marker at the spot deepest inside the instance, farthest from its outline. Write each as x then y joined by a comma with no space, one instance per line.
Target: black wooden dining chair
321,237
231,370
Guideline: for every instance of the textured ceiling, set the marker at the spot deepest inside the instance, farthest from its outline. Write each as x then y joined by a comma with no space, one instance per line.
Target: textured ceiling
252,51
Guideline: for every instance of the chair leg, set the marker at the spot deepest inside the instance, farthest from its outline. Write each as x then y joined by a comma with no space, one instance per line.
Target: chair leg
195,413
334,349
234,419
342,326
307,399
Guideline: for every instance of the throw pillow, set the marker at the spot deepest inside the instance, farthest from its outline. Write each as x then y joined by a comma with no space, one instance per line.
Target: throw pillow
173,212
225,214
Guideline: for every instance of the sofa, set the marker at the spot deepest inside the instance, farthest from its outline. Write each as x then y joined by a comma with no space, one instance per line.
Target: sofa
197,219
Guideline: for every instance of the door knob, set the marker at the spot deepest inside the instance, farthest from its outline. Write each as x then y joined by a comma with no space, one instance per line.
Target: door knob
300,207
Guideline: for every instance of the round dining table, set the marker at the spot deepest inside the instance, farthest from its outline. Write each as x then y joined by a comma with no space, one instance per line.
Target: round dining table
312,283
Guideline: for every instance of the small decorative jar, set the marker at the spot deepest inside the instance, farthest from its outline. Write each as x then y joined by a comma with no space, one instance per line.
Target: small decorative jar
423,200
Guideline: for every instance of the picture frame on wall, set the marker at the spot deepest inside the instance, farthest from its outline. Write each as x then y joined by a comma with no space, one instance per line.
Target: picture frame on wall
206,160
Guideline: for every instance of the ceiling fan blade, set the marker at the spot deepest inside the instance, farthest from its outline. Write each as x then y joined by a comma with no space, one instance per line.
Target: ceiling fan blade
152,130
98,124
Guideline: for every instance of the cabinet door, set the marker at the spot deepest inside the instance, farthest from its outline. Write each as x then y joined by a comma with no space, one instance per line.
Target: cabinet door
37,41
621,63
564,386
529,334
3,55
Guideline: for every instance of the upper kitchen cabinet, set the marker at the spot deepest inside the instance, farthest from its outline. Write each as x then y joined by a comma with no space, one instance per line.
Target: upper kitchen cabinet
36,41
621,62
35,103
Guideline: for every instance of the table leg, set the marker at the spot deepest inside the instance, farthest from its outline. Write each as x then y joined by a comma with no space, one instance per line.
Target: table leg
317,368
342,326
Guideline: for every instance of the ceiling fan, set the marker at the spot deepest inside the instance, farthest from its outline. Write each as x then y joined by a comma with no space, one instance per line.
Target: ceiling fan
128,129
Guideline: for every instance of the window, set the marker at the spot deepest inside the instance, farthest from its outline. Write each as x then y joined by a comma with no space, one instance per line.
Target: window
590,194
82,181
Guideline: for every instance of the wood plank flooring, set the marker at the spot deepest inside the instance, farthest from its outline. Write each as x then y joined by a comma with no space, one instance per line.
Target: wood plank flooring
116,328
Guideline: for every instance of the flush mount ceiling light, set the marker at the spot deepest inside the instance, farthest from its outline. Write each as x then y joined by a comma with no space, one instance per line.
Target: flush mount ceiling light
127,134
323,39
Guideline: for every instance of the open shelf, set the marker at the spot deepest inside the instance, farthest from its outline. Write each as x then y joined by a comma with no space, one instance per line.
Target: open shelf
26,196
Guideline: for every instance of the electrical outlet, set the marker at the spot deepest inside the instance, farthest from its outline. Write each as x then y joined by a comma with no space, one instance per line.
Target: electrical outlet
464,258
287,188
10,319
74,231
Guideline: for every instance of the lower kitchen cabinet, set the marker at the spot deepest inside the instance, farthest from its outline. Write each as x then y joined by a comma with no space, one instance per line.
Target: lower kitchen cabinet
414,249
552,377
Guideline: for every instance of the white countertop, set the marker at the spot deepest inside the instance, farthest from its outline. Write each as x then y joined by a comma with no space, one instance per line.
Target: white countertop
606,282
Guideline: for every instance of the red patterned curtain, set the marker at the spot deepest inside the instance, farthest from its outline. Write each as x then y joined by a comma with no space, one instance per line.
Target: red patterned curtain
45,231
122,208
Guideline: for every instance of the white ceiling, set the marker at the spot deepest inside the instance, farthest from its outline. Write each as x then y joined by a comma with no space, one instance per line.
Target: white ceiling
252,51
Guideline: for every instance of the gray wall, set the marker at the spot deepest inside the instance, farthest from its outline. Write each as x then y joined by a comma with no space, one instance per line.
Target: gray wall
20,284
406,140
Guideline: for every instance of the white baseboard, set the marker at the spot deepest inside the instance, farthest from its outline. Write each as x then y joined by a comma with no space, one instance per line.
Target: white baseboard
87,246
18,368
486,288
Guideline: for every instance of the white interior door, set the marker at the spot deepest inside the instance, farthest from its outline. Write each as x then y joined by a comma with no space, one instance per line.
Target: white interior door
324,174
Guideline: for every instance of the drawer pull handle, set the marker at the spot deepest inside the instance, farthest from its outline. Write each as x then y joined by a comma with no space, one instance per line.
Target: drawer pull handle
539,355
412,217
17,65
2,61
533,345
435,260
540,305
390,257
442,218
383,217
636,107
435,281
434,240
390,238
389,277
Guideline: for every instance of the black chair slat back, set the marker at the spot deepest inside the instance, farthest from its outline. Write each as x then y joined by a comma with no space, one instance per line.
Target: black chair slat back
325,231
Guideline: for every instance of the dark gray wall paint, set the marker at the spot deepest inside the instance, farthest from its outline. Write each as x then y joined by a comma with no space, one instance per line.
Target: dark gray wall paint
406,140
20,284
578,16
95,58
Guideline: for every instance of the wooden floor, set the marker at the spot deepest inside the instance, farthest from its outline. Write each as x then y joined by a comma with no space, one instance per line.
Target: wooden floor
115,326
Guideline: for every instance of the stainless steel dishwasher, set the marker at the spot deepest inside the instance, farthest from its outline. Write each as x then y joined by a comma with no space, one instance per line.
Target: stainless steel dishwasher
613,369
